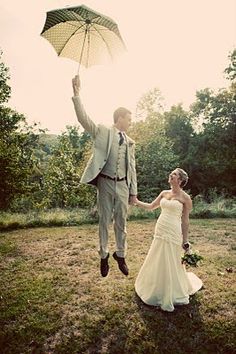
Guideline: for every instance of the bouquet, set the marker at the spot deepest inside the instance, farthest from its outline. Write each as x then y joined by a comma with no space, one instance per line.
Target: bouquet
191,258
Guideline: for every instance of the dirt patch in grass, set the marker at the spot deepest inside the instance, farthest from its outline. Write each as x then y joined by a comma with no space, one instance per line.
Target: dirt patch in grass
53,299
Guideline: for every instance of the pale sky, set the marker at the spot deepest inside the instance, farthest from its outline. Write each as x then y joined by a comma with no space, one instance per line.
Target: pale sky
179,46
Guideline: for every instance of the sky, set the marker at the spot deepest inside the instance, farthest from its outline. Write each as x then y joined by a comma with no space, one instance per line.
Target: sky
178,46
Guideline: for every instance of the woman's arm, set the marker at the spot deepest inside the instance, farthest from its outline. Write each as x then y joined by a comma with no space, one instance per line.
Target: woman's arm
185,218
149,206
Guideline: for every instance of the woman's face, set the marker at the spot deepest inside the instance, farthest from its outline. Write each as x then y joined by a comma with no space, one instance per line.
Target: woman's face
174,178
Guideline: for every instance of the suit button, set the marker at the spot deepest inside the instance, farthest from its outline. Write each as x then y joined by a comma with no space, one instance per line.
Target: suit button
100,168
105,160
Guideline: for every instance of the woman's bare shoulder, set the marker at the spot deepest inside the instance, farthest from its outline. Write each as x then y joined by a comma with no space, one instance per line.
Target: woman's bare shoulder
186,196
165,192
187,201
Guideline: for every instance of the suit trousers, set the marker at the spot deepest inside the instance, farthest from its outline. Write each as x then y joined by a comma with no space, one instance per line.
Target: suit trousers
113,199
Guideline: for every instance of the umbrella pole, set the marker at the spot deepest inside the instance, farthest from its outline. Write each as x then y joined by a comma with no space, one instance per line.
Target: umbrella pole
82,50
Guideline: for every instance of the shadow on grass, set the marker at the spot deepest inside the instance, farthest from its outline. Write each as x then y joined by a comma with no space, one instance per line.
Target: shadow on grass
133,328
181,331
106,333
145,330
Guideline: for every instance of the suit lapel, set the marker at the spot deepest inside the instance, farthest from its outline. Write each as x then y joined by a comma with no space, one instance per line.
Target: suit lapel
110,139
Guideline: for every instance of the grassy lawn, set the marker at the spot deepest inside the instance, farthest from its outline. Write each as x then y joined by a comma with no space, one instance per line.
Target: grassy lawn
53,299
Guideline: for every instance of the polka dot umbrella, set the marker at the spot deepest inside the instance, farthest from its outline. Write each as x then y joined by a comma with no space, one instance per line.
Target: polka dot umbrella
83,35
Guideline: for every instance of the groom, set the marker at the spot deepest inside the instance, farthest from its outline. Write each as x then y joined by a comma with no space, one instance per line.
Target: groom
112,169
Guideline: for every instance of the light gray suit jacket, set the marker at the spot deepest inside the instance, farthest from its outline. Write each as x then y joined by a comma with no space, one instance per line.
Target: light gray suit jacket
103,137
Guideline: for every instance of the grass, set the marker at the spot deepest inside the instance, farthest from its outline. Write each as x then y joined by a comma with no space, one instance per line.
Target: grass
53,217
53,299
218,208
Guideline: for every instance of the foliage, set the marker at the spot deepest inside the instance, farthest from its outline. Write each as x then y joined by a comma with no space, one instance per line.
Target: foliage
5,90
191,259
179,130
230,71
49,218
47,143
220,207
17,143
211,157
41,171
62,186
154,162
154,154
149,105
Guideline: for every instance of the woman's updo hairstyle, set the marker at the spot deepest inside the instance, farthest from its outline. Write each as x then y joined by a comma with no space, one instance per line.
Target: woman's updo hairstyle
183,177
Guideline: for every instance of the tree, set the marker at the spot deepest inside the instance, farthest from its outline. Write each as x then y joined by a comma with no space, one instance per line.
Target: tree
149,105
17,143
78,140
230,71
5,90
212,152
61,180
154,160
178,128
154,154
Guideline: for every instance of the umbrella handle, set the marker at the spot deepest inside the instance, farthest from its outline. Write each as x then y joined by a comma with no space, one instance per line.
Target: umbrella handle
82,50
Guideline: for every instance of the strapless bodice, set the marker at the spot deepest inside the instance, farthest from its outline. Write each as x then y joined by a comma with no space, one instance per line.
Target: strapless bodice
173,207
168,225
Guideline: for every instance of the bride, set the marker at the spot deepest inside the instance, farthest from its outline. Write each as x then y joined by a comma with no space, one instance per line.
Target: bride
162,280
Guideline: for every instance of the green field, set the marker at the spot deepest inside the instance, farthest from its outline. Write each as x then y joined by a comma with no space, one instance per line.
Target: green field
53,299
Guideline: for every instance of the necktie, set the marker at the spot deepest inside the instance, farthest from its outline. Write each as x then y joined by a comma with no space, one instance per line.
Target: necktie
121,138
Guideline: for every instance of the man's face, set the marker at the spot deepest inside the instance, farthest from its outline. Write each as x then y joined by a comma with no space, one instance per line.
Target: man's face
125,122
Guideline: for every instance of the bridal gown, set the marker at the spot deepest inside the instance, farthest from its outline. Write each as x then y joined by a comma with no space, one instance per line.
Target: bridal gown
162,280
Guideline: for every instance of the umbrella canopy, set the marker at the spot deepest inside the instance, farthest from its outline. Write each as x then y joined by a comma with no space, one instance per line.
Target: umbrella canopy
83,35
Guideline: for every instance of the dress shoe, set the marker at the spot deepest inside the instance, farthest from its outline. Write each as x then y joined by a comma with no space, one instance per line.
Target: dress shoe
121,263
104,266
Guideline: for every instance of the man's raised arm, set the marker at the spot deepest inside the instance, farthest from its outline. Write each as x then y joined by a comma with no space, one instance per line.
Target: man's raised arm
82,116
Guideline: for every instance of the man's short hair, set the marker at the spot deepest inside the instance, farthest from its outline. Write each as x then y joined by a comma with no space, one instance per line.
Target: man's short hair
120,112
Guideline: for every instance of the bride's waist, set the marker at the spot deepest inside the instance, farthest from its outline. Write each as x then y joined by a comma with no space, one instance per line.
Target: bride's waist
165,215
169,229
169,223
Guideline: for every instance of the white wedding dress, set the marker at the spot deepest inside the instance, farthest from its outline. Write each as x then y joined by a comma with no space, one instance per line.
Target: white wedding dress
162,280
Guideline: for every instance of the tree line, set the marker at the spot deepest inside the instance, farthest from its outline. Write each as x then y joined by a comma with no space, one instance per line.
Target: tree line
42,171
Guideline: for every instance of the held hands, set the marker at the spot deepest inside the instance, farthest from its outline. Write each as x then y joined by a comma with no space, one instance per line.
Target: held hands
132,199
76,85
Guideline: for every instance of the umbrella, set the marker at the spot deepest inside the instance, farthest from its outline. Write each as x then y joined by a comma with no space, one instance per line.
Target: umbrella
83,35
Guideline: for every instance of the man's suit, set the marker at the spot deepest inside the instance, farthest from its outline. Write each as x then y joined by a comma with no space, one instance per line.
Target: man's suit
113,195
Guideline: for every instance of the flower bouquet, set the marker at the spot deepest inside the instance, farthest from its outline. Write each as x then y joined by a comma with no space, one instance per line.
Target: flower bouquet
191,258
